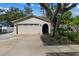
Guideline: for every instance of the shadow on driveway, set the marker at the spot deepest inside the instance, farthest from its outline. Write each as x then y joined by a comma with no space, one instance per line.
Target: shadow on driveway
63,54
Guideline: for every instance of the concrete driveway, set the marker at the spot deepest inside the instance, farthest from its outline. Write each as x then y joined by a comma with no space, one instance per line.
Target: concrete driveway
22,45
31,45
6,36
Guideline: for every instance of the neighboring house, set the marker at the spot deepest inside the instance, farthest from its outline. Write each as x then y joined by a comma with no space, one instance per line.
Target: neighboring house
0,28
5,27
31,25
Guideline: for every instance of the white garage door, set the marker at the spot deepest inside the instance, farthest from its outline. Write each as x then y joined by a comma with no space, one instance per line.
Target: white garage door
28,29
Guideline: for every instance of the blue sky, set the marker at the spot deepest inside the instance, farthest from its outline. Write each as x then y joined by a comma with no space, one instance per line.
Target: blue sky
35,8
75,10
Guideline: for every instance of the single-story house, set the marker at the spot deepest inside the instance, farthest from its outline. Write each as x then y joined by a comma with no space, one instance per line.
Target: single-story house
31,25
0,28
6,27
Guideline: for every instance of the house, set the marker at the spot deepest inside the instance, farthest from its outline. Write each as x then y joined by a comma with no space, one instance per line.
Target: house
31,25
0,28
6,27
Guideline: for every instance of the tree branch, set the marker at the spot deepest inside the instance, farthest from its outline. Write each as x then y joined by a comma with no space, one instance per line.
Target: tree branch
70,7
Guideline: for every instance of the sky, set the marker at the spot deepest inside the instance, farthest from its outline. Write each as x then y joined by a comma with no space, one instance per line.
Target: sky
35,7
75,10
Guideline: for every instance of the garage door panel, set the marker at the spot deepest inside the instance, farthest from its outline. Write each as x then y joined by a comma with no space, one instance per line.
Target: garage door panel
30,29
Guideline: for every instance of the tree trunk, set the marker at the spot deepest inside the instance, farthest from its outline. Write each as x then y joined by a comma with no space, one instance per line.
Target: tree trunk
54,27
54,20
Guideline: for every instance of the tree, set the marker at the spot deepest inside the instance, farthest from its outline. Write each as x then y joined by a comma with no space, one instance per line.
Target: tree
14,13
43,11
67,17
52,14
27,11
11,14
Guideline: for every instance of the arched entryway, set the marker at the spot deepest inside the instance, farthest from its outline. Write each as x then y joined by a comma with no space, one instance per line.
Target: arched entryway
45,29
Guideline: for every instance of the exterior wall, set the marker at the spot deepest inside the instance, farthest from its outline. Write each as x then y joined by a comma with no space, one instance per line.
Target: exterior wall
32,29
14,32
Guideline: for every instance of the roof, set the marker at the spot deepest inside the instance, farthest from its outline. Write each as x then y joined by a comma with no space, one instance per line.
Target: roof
27,17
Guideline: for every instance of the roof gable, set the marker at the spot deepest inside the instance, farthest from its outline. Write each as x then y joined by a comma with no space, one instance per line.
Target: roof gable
28,17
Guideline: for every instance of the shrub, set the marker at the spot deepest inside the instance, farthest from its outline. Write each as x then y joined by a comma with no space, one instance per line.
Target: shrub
66,33
71,35
61,31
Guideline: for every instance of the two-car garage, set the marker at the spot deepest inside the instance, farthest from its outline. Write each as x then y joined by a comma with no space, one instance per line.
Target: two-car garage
30,25
28,28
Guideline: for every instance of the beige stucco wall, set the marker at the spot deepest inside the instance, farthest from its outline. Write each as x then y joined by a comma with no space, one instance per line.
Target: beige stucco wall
31,29
14,32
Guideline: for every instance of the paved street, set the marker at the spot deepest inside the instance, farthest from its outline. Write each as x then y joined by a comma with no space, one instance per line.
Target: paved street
31,45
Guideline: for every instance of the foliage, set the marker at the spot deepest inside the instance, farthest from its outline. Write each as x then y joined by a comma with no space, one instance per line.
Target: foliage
27,11
75,21
71,35
66,17
61,31
14,13
65,33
